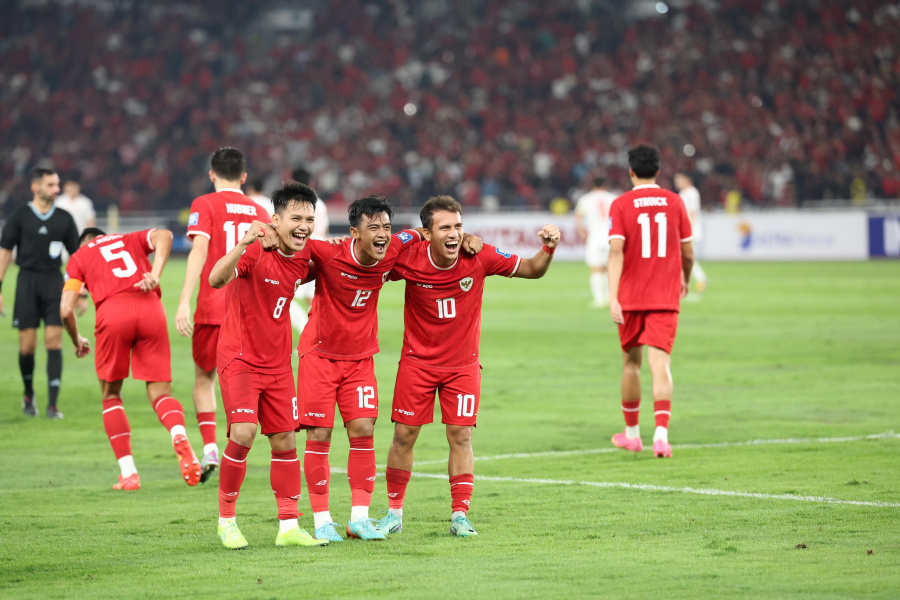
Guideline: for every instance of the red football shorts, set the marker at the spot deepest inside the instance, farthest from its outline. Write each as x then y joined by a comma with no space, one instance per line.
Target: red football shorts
250,396
322,383
132,328
459,392
651,327
204,342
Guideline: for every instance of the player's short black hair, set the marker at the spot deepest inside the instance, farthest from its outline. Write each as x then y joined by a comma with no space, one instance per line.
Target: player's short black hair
39,173
599,181
644,161
435,204
256,183
228,163
370,206
90,233
301,175
290,193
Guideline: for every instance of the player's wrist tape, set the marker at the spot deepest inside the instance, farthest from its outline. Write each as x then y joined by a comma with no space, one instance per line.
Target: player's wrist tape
549,250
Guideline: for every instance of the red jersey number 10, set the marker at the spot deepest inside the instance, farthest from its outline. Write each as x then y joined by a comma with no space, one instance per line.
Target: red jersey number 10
234,234
446,308
644,221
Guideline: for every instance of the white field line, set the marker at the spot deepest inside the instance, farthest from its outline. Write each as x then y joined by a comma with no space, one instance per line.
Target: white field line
647,487
888,435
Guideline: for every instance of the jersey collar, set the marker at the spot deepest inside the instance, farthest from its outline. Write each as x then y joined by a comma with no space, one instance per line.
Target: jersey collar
645,186
39,214
285,255
353,256
233,190
433,264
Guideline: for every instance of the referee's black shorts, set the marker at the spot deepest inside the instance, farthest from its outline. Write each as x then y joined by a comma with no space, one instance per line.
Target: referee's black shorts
38,294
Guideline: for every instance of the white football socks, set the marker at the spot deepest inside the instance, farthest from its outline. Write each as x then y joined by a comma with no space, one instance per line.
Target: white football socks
632,432
207,448
126,465
177,430
320,518
661,433
285,525
457,513
359,512
596,281
397,512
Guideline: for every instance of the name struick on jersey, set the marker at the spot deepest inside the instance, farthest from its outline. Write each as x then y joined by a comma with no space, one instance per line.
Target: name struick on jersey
651,201
240,209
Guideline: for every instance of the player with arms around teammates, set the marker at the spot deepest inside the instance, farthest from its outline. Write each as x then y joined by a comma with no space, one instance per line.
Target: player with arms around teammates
254,360
336,366
650,264
131,327
41,232
442,331
217,222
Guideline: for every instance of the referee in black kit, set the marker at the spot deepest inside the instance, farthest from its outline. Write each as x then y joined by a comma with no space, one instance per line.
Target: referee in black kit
41,231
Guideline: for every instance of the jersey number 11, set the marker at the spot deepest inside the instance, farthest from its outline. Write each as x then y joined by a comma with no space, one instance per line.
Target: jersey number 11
644,221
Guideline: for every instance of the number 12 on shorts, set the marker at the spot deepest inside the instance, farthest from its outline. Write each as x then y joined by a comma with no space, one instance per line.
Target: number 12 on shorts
465,406
366,393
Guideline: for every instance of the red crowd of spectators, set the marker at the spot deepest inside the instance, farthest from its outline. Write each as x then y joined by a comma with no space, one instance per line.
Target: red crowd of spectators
498,102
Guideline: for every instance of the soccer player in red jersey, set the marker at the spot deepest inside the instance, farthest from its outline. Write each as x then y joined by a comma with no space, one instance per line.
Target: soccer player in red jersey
650,262
131,324
254,360
217,222
442,331
336,365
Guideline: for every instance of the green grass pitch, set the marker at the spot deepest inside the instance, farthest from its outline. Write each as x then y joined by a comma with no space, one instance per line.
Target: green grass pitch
804,356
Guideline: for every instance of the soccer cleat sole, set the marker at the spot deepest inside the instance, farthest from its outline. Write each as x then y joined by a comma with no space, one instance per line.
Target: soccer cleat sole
207,472
187,461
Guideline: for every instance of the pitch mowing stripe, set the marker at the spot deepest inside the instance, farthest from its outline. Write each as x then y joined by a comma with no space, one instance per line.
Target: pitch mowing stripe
888,435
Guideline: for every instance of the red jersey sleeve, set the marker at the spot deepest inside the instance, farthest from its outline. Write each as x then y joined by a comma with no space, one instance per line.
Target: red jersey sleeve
687,233
616,224
248,260
497,262
200,221
74,270
144,239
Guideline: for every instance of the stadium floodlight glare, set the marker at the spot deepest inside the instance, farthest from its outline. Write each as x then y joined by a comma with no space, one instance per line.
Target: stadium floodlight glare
662,8
410,109
689,150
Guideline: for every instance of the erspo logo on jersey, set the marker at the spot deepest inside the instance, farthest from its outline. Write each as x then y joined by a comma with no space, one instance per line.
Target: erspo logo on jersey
504,254
404,237
193,219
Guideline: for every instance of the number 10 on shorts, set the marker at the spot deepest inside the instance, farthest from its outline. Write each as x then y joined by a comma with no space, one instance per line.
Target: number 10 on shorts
465,406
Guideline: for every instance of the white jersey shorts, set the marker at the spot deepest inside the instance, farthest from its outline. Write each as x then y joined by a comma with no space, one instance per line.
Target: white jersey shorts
596,251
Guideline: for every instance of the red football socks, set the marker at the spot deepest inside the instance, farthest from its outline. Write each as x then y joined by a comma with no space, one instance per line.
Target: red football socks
169,411
285,477
115,421
397,480
361,470
231,475
662,410
207,423
461,487
318,473
631,410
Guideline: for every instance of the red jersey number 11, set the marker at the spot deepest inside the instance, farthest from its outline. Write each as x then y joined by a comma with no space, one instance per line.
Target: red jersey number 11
644,221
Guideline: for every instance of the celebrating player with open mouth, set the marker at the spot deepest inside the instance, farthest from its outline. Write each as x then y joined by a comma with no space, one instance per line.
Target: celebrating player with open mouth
254,360
442,332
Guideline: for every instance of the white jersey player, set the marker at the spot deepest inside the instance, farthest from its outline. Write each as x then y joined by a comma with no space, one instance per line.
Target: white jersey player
77,204
255,193
592,222
691,197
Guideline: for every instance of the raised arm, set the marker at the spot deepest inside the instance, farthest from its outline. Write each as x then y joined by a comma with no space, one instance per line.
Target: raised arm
614,269
223,271
195,261
535,267
161,241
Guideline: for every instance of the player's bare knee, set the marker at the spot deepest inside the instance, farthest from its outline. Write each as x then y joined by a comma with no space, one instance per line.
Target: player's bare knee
155,389
243,434
405,436
283,441
319,434
360,428
459,436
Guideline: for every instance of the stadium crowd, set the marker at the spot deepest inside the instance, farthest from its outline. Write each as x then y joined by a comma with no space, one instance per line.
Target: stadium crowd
500,103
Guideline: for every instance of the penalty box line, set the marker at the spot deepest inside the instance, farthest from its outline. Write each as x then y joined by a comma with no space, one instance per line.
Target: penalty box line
888,435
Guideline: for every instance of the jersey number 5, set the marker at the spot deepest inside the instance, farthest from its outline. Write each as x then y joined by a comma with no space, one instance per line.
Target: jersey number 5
644,221
234,234
109,254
